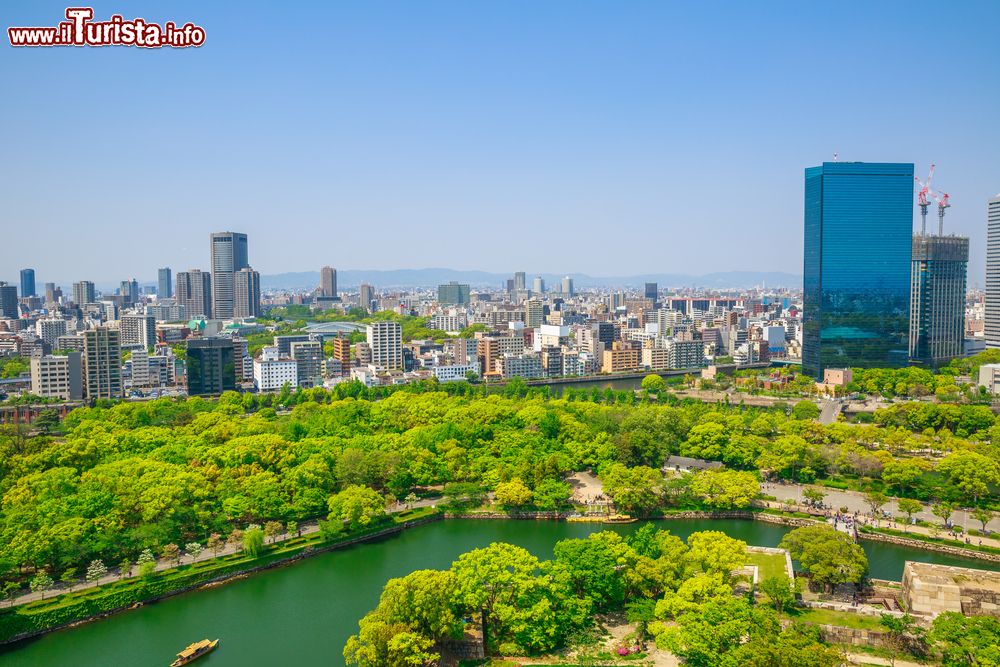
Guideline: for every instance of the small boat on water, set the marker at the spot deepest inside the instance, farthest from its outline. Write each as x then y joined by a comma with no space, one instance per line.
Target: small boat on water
620,518
194,651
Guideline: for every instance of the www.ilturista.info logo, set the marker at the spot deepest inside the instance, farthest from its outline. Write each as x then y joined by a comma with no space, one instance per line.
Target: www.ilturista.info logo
81,30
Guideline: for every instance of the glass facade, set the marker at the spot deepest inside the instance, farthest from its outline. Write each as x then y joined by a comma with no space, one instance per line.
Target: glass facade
856,274
211,366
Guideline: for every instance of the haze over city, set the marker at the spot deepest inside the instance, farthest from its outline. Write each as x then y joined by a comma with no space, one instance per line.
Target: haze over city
492,137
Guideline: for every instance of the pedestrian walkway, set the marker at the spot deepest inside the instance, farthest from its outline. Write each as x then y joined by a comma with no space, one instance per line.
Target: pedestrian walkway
225,549
854,501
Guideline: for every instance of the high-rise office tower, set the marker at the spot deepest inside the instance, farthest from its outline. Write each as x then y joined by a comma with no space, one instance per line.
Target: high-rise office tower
991,325
211,366
102,363
366,294
538,287
8,301
28,283
385,338
856,275
84,292
129,291
567,286
52,293
328,282
937,298
519,281
229,255
651,291
246,300
194,292
164,283
454,293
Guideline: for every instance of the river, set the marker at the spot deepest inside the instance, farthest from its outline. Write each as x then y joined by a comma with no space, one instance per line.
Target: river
303,614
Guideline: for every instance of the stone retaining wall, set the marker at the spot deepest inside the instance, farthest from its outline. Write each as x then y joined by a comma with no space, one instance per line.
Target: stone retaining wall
836,634
930,546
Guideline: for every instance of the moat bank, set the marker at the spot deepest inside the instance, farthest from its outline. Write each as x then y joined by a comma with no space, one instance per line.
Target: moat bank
303,614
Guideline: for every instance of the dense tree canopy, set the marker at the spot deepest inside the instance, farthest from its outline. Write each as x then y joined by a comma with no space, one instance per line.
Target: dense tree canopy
115,479
829,556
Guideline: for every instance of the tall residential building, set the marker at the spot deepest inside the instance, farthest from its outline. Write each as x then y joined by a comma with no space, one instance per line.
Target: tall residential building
308,356
242,360
50,329
229,255
937,298
84,292
137,330
28,283
342,351
454,293
211,366
57,376
385,338
164,283
534,313
519,281
856,275
328,282
246,299
194,292
366,294
8,301
538,287
991,325
102,363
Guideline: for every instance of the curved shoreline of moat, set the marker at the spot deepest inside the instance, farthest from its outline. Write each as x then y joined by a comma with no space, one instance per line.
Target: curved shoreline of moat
750,517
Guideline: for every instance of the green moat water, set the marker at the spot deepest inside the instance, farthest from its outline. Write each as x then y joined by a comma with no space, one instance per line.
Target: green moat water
303,614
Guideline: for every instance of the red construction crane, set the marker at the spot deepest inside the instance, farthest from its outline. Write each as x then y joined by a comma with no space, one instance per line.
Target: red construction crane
942,202
925,188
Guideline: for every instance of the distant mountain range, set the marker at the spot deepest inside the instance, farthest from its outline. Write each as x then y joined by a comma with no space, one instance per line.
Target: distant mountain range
434,277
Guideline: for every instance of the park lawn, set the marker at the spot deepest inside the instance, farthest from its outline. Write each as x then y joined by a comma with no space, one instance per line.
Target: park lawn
832,617
769,565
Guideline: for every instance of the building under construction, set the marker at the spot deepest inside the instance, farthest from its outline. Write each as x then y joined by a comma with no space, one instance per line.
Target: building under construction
937,287
937,299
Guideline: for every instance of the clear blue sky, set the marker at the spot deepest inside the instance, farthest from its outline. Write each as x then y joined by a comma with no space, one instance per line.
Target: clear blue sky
605,138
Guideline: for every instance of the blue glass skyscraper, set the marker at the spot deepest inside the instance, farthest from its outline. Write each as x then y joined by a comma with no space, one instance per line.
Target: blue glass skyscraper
28,282
856,275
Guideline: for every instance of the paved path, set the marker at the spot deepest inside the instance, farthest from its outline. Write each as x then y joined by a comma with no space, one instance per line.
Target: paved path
855,502
865,659
829,410
305,528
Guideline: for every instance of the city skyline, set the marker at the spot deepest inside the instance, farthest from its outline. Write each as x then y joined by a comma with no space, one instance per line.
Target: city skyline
652,136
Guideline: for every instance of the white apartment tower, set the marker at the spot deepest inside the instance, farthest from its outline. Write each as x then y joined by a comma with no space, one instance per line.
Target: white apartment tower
991,326
57,376
385,339
137,330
